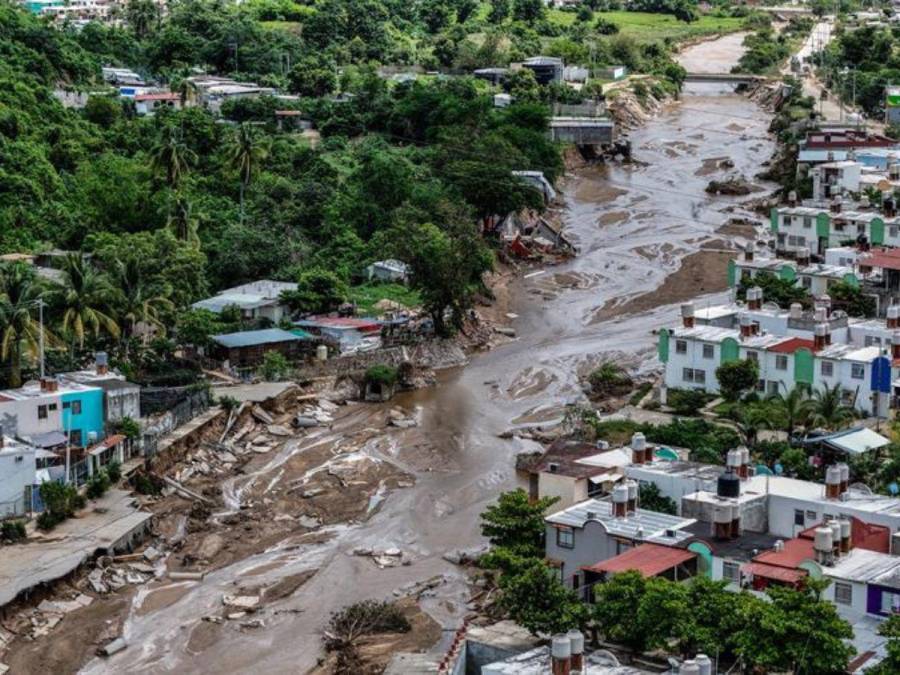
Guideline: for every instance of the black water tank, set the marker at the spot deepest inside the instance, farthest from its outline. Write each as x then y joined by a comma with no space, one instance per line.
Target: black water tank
728,485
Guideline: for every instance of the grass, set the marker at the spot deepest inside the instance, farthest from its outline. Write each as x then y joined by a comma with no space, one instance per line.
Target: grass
647,27
366,296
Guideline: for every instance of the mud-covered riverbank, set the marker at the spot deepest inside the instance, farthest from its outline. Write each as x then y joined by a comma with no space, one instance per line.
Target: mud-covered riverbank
649,237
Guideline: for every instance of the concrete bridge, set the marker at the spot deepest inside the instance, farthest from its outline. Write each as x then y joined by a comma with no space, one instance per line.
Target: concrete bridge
726,78
582,130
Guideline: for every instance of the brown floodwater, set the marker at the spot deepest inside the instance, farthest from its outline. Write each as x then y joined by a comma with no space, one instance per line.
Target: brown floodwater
635,226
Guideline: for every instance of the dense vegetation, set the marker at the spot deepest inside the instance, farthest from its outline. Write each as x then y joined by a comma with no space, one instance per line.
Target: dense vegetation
170,208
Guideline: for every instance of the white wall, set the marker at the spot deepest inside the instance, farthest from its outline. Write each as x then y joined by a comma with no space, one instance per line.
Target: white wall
20,417
569,490
17,469
857,607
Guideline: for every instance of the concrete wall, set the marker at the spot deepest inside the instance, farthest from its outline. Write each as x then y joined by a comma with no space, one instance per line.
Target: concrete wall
20,417
90,419
16,472
570,490
592,545
122,403
857,608
673,486
781,514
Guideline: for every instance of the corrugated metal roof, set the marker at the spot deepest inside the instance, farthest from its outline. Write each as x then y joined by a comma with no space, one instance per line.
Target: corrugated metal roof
252,338
643,524
856,441
648,559
790,576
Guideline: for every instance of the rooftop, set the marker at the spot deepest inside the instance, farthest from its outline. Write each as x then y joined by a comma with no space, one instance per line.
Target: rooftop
791,345
866,567
252,338
647,525
12,446
648,559
32,390
742,548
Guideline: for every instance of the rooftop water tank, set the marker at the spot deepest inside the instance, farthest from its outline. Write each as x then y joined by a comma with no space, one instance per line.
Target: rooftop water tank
728,485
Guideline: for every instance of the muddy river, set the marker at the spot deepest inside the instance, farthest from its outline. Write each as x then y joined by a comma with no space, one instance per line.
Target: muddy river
648,239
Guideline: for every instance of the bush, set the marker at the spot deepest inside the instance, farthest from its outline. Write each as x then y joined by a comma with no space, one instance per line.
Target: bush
98,485
145,484
355,621
13,530
609,379
274,366
687,402
228,403
382,375
128,428
114,471
47,521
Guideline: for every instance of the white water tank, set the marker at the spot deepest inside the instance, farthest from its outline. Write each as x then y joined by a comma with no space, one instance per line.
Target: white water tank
638,441
689,667
835,531
561,647
576,641
722,513
845,528
632,487
796,310
833,475
687,310
733,458
620,494
893,312
823,540
322,353
745,454
704,663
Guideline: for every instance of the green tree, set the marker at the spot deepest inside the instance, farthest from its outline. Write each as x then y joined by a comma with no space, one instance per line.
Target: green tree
500,11
737,377
446,268
274,366
891,663
246,151
650,498
103,110
795,406
138,300
537,600
171,157
516,523
82,298
318,291
313,77
749,421
20,330
827,408
195,326
182,220
615,610
797,631
142,16
796,463
528,11
609,378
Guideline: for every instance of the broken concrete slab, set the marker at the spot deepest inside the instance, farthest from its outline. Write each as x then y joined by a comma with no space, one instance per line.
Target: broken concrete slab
261,415
241,601
187,576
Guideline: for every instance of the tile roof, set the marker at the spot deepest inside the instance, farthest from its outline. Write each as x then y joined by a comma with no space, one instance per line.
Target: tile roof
791,345
790,576
648,559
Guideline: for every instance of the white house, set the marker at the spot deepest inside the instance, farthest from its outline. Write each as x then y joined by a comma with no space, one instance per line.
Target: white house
17,476
256,300
815,229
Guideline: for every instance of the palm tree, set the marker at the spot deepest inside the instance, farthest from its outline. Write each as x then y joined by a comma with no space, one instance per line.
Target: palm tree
182,221
187,90
142,15
247,150
748,422
19,330
795,405
139,301
172,157
82,299
828,410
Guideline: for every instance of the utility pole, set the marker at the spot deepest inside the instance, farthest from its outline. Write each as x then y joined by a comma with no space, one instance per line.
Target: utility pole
41,336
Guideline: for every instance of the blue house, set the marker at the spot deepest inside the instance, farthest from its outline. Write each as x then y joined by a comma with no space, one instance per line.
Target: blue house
82,413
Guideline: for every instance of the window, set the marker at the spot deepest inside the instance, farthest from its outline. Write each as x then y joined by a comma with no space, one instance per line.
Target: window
807,222
811,516
871,340
827,369
66,405
796,240
680,347
772,388
76,407
731,572
622,546
52,407
761,385
781,238
753,356
843,593
565,537
693,375
798,517
42,412
893,230
781,361
806,282
75,437
857,371
890,602
708,352
861,228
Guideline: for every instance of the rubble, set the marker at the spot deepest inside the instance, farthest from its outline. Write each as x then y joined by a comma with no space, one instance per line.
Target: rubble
465,556
113,647
734,185
245,602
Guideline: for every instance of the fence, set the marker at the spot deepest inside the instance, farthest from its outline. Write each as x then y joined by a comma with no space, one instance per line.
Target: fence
193,402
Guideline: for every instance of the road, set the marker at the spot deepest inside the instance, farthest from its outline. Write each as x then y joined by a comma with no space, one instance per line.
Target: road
647,234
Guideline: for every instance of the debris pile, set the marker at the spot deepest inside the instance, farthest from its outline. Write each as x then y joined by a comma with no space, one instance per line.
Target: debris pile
388,557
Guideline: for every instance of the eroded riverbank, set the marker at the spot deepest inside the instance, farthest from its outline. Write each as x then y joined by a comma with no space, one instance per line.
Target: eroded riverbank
649,236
